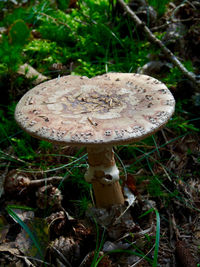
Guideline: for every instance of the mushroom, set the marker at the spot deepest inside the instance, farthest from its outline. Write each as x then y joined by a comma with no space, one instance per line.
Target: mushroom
98,113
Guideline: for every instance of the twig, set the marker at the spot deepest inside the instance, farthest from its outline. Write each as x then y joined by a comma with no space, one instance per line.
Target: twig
40,182
58,168
31,258
56,21
9,157
163,26
175,228
190,75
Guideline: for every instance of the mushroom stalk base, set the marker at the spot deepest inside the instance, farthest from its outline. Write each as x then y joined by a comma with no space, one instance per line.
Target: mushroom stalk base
104,176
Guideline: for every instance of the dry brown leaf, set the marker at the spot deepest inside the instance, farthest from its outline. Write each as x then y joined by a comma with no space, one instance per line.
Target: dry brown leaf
30,73
9,247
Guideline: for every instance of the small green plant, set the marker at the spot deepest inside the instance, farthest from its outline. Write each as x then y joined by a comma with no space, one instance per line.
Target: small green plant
175,75
22,147
179,123
13,14
137,252
82,205
99,244
45,146
12,46
10,55
19,33
154,187
42,52
63,4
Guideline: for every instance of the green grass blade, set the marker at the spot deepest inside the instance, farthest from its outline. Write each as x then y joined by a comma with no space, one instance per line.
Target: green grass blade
19,207
153,150
155,260
99,246
59,168
158,152
145,213
25,227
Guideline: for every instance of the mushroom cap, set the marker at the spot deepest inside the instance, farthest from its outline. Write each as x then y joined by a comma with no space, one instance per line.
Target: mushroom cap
110,109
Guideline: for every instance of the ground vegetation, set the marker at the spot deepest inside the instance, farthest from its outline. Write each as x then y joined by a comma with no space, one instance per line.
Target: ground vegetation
44,199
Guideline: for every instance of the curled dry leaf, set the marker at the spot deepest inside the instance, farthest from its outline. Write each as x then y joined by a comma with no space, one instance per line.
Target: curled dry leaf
81,231
57,222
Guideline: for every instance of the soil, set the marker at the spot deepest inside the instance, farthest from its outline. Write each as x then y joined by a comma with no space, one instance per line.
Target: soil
57,231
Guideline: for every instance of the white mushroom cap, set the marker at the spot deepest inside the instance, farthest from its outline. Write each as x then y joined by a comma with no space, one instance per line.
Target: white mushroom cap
114,108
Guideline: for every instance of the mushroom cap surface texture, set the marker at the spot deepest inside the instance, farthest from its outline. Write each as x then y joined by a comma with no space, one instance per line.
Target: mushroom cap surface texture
114,108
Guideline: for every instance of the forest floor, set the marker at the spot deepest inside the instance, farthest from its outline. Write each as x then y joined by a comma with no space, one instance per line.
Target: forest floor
47,215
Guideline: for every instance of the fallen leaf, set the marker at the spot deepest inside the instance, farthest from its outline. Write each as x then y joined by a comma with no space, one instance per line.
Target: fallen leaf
130,182
35,241
9,247
23,215
30,73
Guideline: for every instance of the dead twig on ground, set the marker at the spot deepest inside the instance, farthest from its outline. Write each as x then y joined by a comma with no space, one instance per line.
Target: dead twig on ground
49,180
163,26
190,75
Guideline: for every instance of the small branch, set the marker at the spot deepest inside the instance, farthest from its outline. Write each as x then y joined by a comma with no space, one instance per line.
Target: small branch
190,75
154,29
50,180
56,21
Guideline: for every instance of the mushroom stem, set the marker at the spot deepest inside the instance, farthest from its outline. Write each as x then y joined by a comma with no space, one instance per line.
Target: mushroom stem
104,176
